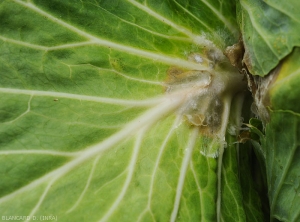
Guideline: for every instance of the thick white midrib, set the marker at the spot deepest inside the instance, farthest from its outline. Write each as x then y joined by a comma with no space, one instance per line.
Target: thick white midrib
39,152
140,80
237,113
131,50
147,119
123,102
225,118
183,170
45,48
131,168
72,45
156,57
160,83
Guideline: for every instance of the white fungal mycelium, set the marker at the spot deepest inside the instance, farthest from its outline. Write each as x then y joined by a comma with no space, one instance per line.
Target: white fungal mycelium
208,95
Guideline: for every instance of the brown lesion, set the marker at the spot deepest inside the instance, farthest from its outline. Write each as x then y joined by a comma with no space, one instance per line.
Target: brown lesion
244,136
209,123
252,85
177,77
235,54
174,74
207,113
247,60
204,129
213,126
209,131
205,89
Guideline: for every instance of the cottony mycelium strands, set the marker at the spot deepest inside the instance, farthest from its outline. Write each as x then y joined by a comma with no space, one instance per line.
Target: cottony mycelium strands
208,95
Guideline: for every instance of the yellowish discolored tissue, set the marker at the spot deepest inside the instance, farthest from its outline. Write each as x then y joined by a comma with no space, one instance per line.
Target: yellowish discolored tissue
207,95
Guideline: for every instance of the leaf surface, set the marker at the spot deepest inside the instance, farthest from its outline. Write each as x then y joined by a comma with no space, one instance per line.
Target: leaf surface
88,131
282,141
270,31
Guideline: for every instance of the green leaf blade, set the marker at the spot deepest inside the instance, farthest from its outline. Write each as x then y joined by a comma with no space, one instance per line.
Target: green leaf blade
269,33
88,116
281,140
283,175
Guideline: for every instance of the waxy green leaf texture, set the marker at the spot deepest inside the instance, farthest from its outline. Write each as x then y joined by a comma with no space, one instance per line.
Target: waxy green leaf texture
270,30
104,106
87,130
282,140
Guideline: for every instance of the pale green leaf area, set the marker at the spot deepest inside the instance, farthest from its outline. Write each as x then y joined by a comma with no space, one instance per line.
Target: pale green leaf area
282,141
284,92
240,198
117,110
283,166
232,197
252,193
270,31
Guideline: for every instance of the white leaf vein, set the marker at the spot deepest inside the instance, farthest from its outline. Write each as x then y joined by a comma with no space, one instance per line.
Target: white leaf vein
183,171
260,31
123,102
198,188
39,152
156,56
145,120
86,185
158,159
131,168
23,114
233,30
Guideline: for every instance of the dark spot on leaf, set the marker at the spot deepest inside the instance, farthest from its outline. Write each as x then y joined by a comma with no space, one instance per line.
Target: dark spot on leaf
235,54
